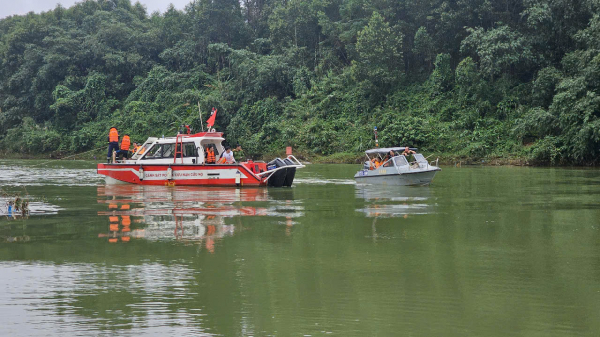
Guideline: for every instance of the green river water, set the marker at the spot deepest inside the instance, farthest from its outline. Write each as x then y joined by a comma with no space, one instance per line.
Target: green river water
483,251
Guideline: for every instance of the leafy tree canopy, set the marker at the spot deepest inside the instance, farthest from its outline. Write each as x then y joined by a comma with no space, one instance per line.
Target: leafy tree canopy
474,78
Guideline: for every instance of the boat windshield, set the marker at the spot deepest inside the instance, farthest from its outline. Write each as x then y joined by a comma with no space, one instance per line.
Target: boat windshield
400,161
420,158
144,148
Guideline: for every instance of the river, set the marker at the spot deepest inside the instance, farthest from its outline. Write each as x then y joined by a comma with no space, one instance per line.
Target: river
483,251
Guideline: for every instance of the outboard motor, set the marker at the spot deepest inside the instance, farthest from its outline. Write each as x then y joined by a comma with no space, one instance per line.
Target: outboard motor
290,173
277,179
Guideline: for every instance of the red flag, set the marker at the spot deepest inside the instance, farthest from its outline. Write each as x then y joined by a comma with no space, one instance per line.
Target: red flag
211,121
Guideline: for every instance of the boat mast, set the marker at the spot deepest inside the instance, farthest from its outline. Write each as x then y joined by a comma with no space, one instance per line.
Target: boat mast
376,141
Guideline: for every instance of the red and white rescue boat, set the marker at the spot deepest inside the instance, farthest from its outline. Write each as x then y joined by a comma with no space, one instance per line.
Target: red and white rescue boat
181,160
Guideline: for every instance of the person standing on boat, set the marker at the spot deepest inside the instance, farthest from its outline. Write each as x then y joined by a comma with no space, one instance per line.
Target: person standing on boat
227,156
125,144
407,151
113,142
240,152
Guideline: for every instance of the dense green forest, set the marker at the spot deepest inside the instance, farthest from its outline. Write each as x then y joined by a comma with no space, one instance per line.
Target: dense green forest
473,79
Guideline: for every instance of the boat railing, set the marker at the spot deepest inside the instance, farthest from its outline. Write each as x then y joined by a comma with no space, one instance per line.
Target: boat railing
269,173
296,162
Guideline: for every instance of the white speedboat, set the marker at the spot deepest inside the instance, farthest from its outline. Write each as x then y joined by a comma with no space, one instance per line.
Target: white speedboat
395,169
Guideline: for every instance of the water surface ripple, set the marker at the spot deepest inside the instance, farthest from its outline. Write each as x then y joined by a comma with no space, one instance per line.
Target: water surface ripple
483,251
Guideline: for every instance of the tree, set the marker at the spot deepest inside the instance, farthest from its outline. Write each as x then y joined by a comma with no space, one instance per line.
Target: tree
423,47
499,50
379,52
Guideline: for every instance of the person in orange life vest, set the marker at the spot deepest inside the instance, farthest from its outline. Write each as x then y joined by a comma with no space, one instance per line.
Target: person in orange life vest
113,142
142,149
210,155
125,144
373,164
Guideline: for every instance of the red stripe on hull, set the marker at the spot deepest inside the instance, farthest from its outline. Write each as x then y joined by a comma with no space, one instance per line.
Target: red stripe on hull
182,174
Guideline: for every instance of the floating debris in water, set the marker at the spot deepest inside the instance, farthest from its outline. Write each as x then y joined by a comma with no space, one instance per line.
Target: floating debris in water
12,205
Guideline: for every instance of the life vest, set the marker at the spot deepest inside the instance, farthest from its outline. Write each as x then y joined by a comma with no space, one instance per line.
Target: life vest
113,135
222,161
125,143
136,148
210,156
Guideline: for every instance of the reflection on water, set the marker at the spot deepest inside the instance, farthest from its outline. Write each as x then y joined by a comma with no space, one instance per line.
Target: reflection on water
394,201
47,173
317,180
482,252
92,299
188,214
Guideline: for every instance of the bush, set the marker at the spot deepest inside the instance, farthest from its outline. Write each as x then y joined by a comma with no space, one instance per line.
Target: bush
546,151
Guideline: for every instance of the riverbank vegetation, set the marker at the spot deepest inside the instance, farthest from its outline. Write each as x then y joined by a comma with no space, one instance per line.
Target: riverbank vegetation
475,78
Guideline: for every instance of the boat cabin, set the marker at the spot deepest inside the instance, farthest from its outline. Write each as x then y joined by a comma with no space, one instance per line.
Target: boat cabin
390,167
182,149
398,160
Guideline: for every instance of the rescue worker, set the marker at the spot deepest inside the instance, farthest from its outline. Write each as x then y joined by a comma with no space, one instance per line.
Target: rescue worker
210,155
125,144
136,147
373,163
408,151
240,152
113,142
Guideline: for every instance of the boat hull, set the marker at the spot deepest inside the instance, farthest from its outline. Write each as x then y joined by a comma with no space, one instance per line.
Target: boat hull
424,177
180,174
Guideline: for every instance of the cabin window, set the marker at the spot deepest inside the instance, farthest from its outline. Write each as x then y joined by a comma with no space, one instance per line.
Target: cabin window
168,150
189,150
154,152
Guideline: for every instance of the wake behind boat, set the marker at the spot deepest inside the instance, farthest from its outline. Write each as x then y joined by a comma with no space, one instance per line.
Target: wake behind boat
395,168
182,160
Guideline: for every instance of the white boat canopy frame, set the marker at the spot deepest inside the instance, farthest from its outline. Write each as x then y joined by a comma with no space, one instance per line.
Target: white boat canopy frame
388,149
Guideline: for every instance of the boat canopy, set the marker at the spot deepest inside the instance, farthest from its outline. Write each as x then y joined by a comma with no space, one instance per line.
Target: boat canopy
388,149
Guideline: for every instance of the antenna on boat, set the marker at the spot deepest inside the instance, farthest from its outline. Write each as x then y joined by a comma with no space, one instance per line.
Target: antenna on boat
200,112
376,141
